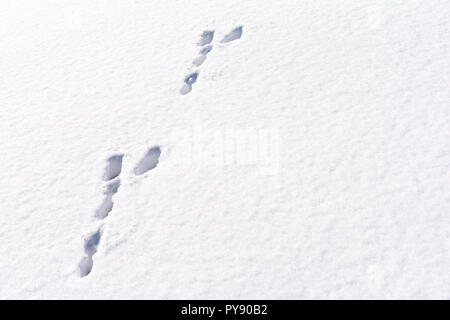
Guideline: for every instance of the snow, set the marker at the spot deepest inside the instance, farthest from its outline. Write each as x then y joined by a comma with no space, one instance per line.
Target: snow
309,157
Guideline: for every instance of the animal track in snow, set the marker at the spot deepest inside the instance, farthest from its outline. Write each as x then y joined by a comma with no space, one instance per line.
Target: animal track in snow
206,37
205,41
188,82
199,60
90,248
185,89
106,206
191,79
149,161
111,174
206,50
113,168
235,34
112,171
203,53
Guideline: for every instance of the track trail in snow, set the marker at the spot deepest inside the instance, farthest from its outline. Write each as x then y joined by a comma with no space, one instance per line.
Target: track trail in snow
206,39
111,177
148,162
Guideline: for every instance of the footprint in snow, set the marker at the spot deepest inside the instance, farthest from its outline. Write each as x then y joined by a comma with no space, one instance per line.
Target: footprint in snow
113,168
206,37
235,34
203,54
189,80
107,205
90,248
149,161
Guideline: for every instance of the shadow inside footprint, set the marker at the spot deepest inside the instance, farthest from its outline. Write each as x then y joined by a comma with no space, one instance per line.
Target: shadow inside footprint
113,168
188,82
191,79
203,53
107,205
235,34
113,187
90,248
86,265
206,50
185,89
199,60
206,37
91,243
149,161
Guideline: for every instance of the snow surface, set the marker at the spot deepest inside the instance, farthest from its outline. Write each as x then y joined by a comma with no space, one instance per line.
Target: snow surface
309,157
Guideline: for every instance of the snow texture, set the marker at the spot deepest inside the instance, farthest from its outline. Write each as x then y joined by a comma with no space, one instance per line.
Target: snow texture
225,149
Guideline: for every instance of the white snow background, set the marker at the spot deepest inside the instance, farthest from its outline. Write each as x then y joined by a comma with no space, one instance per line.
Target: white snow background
310,160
